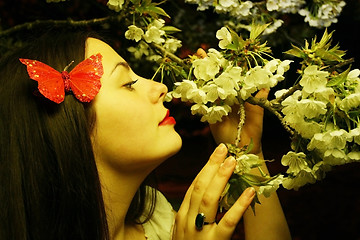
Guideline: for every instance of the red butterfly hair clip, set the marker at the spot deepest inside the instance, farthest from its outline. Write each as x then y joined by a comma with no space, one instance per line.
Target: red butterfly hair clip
83,80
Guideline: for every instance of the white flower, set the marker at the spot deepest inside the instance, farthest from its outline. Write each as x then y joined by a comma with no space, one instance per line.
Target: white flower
215,114
354,156
200,109
291,104
306,129
319,170
273,27
304,177
353,75
326,14
259,77
272,5
134,33
226,82
272,65
313,79
154,57
215,55
168,97
172,44
206,68
283,67
280,92
224,36
115,5
271,186
355,134
318,141
214,92
182,88
349,102
246,162
338,138
196,95
325,94
140,50
243,10
153,34
285,6
335,156
296,162
226,3
247,90
311,108
332,139
158,23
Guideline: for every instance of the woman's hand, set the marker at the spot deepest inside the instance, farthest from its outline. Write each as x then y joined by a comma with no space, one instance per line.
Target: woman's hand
226,131
203,197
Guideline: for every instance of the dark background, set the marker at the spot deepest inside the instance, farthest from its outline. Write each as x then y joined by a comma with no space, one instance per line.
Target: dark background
329,209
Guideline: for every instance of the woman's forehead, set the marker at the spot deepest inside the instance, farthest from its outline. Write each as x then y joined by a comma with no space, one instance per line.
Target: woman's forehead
94,46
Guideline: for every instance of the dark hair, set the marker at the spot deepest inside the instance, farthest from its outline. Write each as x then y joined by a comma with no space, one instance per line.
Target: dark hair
50,187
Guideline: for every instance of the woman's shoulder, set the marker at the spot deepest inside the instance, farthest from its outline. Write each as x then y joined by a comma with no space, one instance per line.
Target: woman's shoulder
160,224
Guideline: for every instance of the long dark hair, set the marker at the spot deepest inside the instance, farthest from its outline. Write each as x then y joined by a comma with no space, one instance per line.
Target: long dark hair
49,184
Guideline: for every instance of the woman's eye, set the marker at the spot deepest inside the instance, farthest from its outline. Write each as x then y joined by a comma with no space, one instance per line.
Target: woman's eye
129,84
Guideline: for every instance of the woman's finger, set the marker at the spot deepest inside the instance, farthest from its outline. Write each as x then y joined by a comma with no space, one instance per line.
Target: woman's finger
229,221
204,178
210,201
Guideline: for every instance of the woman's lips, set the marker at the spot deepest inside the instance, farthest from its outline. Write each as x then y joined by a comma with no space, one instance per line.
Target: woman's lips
168,120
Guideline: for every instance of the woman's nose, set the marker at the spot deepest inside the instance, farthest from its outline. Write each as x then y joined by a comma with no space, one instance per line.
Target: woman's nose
157,91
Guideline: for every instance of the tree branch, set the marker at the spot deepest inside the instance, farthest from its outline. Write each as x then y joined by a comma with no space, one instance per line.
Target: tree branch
170,55
266,104
59,23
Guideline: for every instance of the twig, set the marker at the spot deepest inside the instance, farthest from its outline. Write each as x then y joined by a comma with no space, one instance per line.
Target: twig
266,104
170,55
345,62
287,94
60,23
242,116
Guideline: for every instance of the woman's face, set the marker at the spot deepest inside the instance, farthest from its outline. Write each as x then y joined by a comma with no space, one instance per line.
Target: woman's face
130,132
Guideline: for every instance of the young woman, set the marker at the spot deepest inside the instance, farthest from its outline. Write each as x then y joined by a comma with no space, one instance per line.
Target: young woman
74,165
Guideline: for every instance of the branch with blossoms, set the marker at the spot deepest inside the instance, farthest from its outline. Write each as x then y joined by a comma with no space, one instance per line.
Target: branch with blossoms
320,111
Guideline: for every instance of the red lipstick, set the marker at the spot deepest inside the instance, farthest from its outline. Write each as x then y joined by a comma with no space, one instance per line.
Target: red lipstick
168,120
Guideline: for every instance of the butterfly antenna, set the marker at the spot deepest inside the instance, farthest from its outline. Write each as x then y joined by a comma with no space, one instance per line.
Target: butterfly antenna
66,68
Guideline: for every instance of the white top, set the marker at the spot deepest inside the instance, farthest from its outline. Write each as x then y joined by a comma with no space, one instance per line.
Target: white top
160,225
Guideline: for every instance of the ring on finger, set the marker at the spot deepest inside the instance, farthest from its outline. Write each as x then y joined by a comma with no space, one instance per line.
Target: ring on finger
200,221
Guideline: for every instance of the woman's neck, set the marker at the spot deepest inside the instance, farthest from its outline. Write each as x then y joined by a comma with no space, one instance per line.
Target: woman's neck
118,191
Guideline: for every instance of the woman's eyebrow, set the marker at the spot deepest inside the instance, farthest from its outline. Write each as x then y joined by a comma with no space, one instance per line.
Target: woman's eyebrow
123,64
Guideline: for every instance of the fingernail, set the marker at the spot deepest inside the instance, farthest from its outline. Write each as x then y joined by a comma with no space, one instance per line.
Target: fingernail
220,149
249,192
229,162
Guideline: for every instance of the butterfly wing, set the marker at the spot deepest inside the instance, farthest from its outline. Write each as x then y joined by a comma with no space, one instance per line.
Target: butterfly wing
85,78
50,82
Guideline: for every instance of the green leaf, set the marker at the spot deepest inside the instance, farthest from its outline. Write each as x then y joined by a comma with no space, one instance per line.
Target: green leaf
170,29
340,79
325,40
295,51
235,40
232,47
135,2
238,186
257,30
157,10
249,147
332,56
